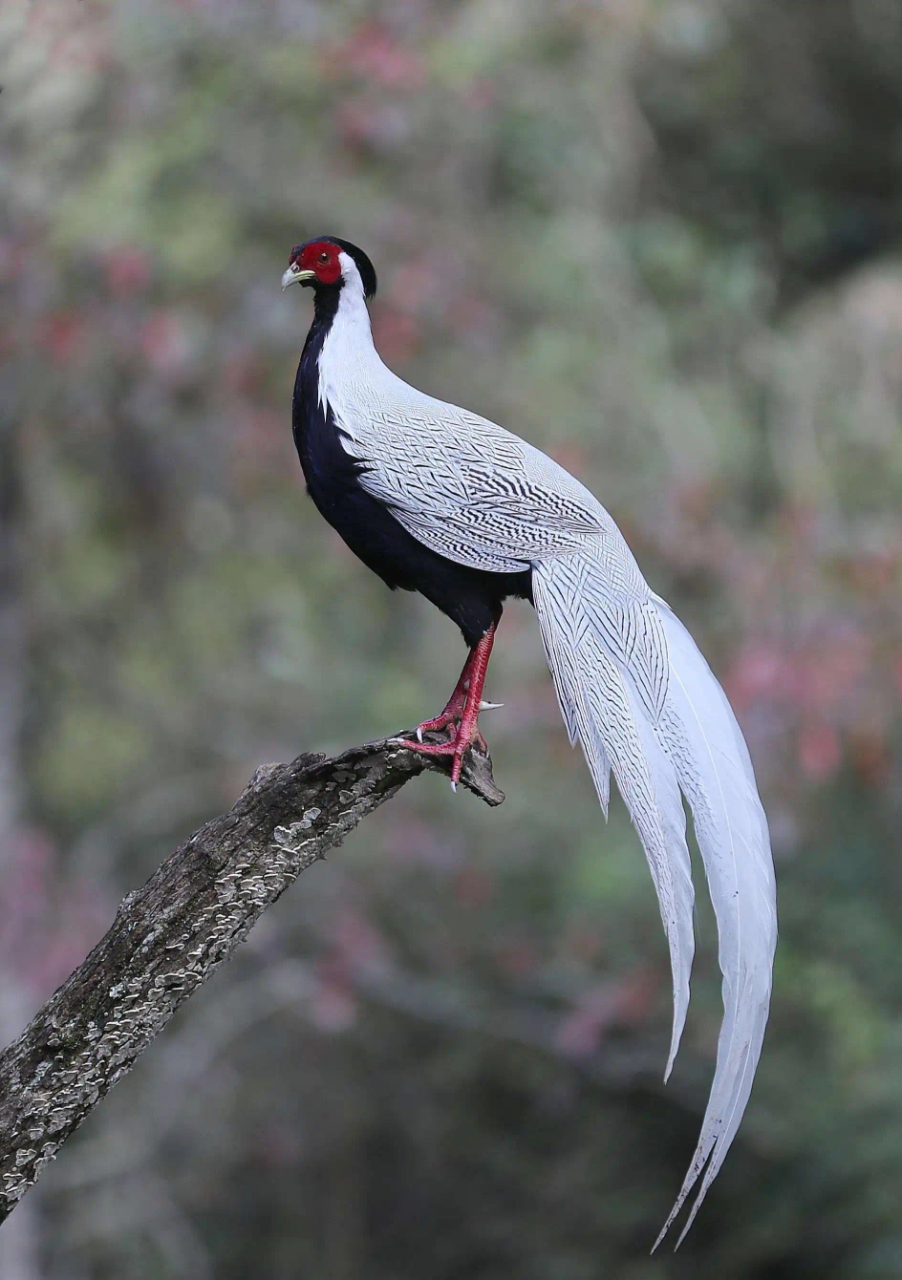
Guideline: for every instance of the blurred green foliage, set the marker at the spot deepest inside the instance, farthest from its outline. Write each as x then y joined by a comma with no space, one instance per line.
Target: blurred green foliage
656,237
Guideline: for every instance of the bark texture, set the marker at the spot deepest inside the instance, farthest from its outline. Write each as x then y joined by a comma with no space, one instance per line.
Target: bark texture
169,937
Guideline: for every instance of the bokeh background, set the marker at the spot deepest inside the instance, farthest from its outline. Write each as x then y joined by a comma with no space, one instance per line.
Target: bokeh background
660,239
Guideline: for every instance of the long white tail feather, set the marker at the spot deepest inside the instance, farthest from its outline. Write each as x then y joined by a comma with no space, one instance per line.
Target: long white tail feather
632,633
613,727
716,775
686,740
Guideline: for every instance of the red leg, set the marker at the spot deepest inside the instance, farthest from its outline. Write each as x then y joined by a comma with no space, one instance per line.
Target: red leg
466,732
454,707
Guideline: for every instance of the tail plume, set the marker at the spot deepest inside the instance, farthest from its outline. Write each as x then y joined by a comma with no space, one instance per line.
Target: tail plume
638,696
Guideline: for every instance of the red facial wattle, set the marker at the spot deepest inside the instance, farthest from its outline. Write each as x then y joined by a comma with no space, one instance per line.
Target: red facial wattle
322,259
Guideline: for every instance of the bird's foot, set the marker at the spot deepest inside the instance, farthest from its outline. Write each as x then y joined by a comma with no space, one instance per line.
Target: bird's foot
462,737
450,716
461,714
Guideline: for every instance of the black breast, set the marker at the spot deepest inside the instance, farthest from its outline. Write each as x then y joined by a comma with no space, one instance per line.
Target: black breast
472,598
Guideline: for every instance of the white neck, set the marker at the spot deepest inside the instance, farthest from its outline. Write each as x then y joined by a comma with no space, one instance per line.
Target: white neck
349,360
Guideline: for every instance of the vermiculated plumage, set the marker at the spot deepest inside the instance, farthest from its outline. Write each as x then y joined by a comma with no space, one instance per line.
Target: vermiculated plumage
438,500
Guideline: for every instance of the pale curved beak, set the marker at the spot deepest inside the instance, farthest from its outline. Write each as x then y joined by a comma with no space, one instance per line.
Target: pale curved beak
294,275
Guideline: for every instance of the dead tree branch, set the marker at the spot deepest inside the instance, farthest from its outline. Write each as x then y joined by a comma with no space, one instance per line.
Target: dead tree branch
169,937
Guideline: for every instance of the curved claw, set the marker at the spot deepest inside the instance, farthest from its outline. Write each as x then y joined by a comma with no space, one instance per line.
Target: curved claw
457,746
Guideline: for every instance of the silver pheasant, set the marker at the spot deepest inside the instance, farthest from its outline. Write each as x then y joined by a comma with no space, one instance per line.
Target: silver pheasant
440,500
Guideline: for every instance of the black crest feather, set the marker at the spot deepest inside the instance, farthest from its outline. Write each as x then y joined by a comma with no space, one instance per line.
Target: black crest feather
364,266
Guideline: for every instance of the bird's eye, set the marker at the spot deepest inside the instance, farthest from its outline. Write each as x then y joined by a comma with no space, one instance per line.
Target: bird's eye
324,257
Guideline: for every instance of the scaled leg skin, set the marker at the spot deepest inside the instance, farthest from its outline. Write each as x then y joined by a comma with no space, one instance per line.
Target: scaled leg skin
454,707
461,715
